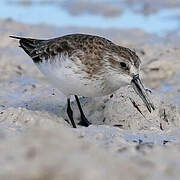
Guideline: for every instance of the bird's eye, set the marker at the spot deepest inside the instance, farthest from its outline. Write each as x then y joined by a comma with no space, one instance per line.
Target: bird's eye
123,65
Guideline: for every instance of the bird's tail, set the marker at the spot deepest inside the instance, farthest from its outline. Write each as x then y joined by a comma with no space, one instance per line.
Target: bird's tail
28,44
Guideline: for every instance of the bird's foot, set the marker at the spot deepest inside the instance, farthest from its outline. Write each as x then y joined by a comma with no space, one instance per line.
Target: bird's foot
84,122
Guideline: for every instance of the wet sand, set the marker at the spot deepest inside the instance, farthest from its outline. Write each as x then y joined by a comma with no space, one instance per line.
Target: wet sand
37,142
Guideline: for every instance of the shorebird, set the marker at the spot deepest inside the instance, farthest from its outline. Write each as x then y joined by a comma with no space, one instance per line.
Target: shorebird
85,65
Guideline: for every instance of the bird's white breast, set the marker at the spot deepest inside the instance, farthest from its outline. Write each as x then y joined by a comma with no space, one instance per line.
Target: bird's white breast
68,77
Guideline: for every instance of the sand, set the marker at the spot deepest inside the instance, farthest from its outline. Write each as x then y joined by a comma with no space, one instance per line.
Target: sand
37,142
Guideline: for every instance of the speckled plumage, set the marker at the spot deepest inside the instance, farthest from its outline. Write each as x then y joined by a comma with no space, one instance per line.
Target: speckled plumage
91,59
93,48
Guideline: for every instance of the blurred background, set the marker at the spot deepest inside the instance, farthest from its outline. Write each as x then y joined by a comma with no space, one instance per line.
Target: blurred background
155,16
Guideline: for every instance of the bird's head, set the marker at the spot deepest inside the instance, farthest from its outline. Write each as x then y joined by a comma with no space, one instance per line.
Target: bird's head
125,68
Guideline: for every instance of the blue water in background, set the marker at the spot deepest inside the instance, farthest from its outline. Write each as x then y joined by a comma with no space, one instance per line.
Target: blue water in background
54,14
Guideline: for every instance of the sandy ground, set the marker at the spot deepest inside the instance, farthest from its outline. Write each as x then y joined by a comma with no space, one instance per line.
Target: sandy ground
38,143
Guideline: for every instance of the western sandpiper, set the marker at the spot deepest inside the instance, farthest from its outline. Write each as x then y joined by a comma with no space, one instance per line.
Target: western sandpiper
85,65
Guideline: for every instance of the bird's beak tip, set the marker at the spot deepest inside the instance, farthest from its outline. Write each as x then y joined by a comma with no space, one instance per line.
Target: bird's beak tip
140,90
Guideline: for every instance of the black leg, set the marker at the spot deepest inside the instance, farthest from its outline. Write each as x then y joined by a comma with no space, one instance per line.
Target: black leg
70,113
84,121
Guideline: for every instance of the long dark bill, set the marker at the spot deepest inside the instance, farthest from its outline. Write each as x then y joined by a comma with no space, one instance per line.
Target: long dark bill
141,91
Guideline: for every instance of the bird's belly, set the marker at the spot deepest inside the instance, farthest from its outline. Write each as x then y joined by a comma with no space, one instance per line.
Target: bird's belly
71,80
